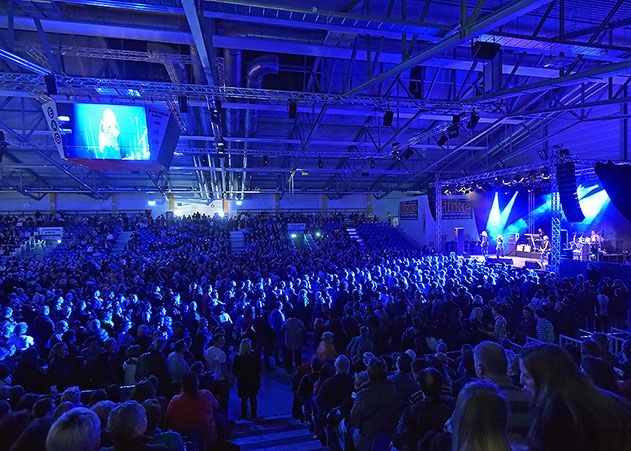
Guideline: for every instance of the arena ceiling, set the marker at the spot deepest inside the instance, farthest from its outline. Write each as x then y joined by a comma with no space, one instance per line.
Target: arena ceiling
343,65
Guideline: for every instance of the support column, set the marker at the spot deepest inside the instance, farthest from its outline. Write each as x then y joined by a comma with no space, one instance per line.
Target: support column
624,129
369,209
114,202
555,230
277,202
325,202
171,202
52,199
439,216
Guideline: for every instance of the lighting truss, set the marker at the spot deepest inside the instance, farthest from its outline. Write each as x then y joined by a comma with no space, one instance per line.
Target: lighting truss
19,83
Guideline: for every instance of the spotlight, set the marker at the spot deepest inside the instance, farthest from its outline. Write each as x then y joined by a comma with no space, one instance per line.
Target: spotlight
58,241
473,120
318,234
442,140
453,131
387,118
396,155
215,117
239,202
500,164
564,152
407,153
372,163
455,118
320,163
294,236
182,100
543,154
151,203
221,147
293,109
265,160
51,84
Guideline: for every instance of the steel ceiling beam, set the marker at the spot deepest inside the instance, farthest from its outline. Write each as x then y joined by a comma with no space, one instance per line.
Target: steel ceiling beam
254,44
492,21
50,159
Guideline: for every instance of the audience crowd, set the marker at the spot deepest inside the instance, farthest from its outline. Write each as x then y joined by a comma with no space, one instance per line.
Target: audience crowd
138,348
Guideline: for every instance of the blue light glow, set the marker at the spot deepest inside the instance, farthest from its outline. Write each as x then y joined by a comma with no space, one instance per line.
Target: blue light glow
498,218
594,205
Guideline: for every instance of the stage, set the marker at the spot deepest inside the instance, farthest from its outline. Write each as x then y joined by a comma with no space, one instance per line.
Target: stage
518,262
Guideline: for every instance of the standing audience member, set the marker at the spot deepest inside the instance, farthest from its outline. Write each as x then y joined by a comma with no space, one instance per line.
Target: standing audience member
247,369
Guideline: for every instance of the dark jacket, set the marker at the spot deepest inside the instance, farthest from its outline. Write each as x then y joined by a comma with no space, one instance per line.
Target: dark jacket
422,417
334,391
376,410
153,362
247,369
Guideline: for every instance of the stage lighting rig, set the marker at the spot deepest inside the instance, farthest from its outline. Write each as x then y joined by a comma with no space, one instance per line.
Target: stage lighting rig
473,120
442,140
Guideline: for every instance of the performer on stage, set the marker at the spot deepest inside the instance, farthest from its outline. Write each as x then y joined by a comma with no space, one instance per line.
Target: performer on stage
499,247
545,248
484,243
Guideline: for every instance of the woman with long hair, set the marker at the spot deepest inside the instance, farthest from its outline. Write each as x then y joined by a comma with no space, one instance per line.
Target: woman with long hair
480,419
247,369
570,412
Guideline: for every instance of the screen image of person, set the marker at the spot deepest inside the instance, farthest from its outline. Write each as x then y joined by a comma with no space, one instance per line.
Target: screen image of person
110,132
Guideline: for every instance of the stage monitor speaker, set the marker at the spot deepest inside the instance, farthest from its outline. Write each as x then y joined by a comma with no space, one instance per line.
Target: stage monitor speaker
484,50
566,179
431,198
531,265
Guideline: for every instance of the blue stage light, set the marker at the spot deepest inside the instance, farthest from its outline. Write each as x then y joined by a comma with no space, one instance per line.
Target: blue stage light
498,218
594,205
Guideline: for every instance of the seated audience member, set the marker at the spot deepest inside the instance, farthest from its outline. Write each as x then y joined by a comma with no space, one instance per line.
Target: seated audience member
193,411
34,436
570,412
427,414
155,436
376,409
480,419
403,379
127,425
78,429
103,410
491,364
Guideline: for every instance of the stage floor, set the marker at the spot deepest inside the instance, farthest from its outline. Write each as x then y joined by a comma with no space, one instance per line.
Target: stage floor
518,262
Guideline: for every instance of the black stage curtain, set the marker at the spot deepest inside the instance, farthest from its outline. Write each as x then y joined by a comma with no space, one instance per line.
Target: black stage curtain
616,179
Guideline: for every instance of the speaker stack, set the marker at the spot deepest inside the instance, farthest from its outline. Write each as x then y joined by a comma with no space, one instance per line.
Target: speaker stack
566,179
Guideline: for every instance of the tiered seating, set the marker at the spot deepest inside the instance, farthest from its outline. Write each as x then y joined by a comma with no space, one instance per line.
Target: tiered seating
379,234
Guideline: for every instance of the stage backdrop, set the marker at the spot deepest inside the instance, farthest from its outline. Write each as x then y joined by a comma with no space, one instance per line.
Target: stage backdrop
416,220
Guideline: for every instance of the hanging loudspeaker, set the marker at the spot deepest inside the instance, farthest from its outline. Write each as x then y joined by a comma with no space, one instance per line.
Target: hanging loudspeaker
566,179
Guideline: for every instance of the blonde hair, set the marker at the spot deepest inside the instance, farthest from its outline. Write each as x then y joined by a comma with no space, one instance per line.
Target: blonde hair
78,428
245,347
480,419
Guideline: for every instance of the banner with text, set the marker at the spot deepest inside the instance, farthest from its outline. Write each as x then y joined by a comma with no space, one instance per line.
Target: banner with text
457,209
408,210
50,233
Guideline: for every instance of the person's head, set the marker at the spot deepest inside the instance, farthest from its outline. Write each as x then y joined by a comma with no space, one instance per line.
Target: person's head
364,331
72,394
548,367
43,406
327,337
480,419
430,382
377,370
79,429
404,363
127,421
245,347
154,413
60,350
342,364
489,360
190,384
102,410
